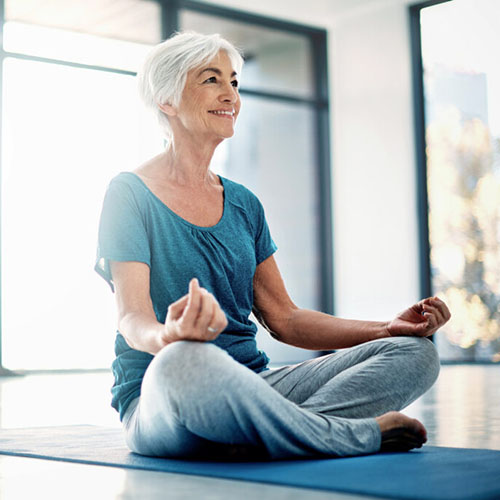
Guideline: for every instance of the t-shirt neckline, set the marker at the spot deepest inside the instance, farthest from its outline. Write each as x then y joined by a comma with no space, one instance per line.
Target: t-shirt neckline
177,216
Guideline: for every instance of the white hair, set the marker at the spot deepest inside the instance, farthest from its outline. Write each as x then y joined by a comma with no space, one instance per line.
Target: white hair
163,75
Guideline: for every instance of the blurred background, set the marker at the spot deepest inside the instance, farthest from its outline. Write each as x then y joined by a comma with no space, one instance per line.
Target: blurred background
369,129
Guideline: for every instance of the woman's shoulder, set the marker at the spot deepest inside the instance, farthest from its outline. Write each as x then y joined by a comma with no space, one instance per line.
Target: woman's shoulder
127,188
126,181
125,177
237,192
133,178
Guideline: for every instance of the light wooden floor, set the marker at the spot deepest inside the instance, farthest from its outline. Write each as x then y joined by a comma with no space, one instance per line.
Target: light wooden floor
461,410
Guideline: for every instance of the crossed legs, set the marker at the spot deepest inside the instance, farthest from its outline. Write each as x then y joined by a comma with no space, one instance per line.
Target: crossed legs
196,399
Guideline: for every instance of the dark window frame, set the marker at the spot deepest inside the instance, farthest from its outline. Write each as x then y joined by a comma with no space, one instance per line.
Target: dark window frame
426,289
319,103
170,10
420,145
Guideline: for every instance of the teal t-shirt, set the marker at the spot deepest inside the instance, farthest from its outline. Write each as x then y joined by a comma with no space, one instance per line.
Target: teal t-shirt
137,226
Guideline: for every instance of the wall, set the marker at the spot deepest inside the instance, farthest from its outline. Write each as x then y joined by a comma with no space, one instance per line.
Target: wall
374,190
373,160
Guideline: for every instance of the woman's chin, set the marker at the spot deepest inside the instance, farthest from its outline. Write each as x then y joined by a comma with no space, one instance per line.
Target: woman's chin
225,134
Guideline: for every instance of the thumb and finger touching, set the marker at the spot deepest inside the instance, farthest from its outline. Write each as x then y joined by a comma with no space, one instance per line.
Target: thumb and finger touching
175,309
196,312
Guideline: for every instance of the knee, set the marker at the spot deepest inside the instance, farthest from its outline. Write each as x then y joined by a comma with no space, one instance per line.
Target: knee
422,360
183,354
185,363
183,350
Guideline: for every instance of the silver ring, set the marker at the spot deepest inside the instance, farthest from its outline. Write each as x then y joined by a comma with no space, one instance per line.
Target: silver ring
212,330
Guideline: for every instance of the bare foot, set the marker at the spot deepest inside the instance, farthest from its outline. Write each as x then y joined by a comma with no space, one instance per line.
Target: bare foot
400,433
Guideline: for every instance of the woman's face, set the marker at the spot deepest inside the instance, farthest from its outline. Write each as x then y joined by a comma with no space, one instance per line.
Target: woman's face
210,101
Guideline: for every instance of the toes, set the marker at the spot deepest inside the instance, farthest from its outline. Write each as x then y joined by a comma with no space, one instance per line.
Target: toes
401,439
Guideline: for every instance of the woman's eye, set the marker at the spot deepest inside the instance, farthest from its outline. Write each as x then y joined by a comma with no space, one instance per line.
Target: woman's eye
234,83
212,79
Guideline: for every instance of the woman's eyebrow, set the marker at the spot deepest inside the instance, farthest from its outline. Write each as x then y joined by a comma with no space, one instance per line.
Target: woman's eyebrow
217,71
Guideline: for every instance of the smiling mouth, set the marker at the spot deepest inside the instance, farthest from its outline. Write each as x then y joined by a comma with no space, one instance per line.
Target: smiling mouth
225,114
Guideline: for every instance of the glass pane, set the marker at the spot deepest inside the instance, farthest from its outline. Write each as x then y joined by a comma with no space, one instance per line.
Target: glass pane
66,132
272,153
114,33
462,99
73,47
130,20
275,61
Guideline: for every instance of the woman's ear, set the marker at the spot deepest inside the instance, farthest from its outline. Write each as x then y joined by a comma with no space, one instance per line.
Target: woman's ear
168,109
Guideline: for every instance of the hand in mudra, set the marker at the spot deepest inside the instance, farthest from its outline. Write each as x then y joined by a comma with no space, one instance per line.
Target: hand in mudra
195,316
421,320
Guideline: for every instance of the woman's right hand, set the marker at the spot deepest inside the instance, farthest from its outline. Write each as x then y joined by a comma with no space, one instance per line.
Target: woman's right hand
195,316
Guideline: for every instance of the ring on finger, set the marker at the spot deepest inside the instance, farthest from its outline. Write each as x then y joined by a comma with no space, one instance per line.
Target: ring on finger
212,330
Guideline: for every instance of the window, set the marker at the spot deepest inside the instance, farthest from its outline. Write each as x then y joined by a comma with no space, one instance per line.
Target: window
274,151
461,89
71,120
67,129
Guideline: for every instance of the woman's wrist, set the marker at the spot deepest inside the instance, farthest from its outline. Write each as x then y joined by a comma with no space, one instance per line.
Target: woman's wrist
143,333
384,331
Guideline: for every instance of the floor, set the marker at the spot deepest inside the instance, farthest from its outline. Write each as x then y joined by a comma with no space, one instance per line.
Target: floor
461,410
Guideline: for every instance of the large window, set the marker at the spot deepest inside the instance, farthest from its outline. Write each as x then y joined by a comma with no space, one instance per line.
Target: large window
461,89
274,149
71,120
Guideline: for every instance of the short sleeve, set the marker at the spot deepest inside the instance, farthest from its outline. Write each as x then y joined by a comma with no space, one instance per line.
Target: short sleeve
122,230
264,244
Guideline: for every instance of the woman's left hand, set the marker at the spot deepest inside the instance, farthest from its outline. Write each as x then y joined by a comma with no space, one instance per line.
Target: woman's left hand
421,320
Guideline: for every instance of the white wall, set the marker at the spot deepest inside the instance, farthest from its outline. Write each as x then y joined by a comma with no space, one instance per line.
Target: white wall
373,159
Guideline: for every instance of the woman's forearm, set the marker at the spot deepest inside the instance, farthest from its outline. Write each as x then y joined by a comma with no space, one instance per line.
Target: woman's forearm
197,316
142,332
319,331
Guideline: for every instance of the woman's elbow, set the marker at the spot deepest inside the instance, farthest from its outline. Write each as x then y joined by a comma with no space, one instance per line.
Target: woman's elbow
278,325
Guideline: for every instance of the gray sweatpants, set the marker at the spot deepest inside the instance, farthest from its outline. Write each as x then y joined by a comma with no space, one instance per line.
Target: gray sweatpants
196,400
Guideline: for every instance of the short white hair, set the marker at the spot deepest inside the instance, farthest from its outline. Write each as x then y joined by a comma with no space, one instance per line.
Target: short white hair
163,75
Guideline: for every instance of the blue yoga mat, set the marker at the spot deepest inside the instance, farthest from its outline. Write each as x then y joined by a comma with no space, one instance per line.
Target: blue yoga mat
432,473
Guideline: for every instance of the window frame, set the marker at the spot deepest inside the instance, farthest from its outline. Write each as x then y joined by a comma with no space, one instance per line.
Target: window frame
319,103
421,145
426,289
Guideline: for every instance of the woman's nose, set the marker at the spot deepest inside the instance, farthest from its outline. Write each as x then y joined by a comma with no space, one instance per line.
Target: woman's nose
229,94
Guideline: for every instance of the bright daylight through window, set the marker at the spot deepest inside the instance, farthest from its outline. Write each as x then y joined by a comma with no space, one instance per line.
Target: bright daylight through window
66,132
72,120
462,107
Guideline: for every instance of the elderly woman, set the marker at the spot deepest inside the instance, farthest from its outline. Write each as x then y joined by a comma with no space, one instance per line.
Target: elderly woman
189,255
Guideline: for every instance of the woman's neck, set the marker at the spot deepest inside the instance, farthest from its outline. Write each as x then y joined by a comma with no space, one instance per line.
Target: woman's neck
188,163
